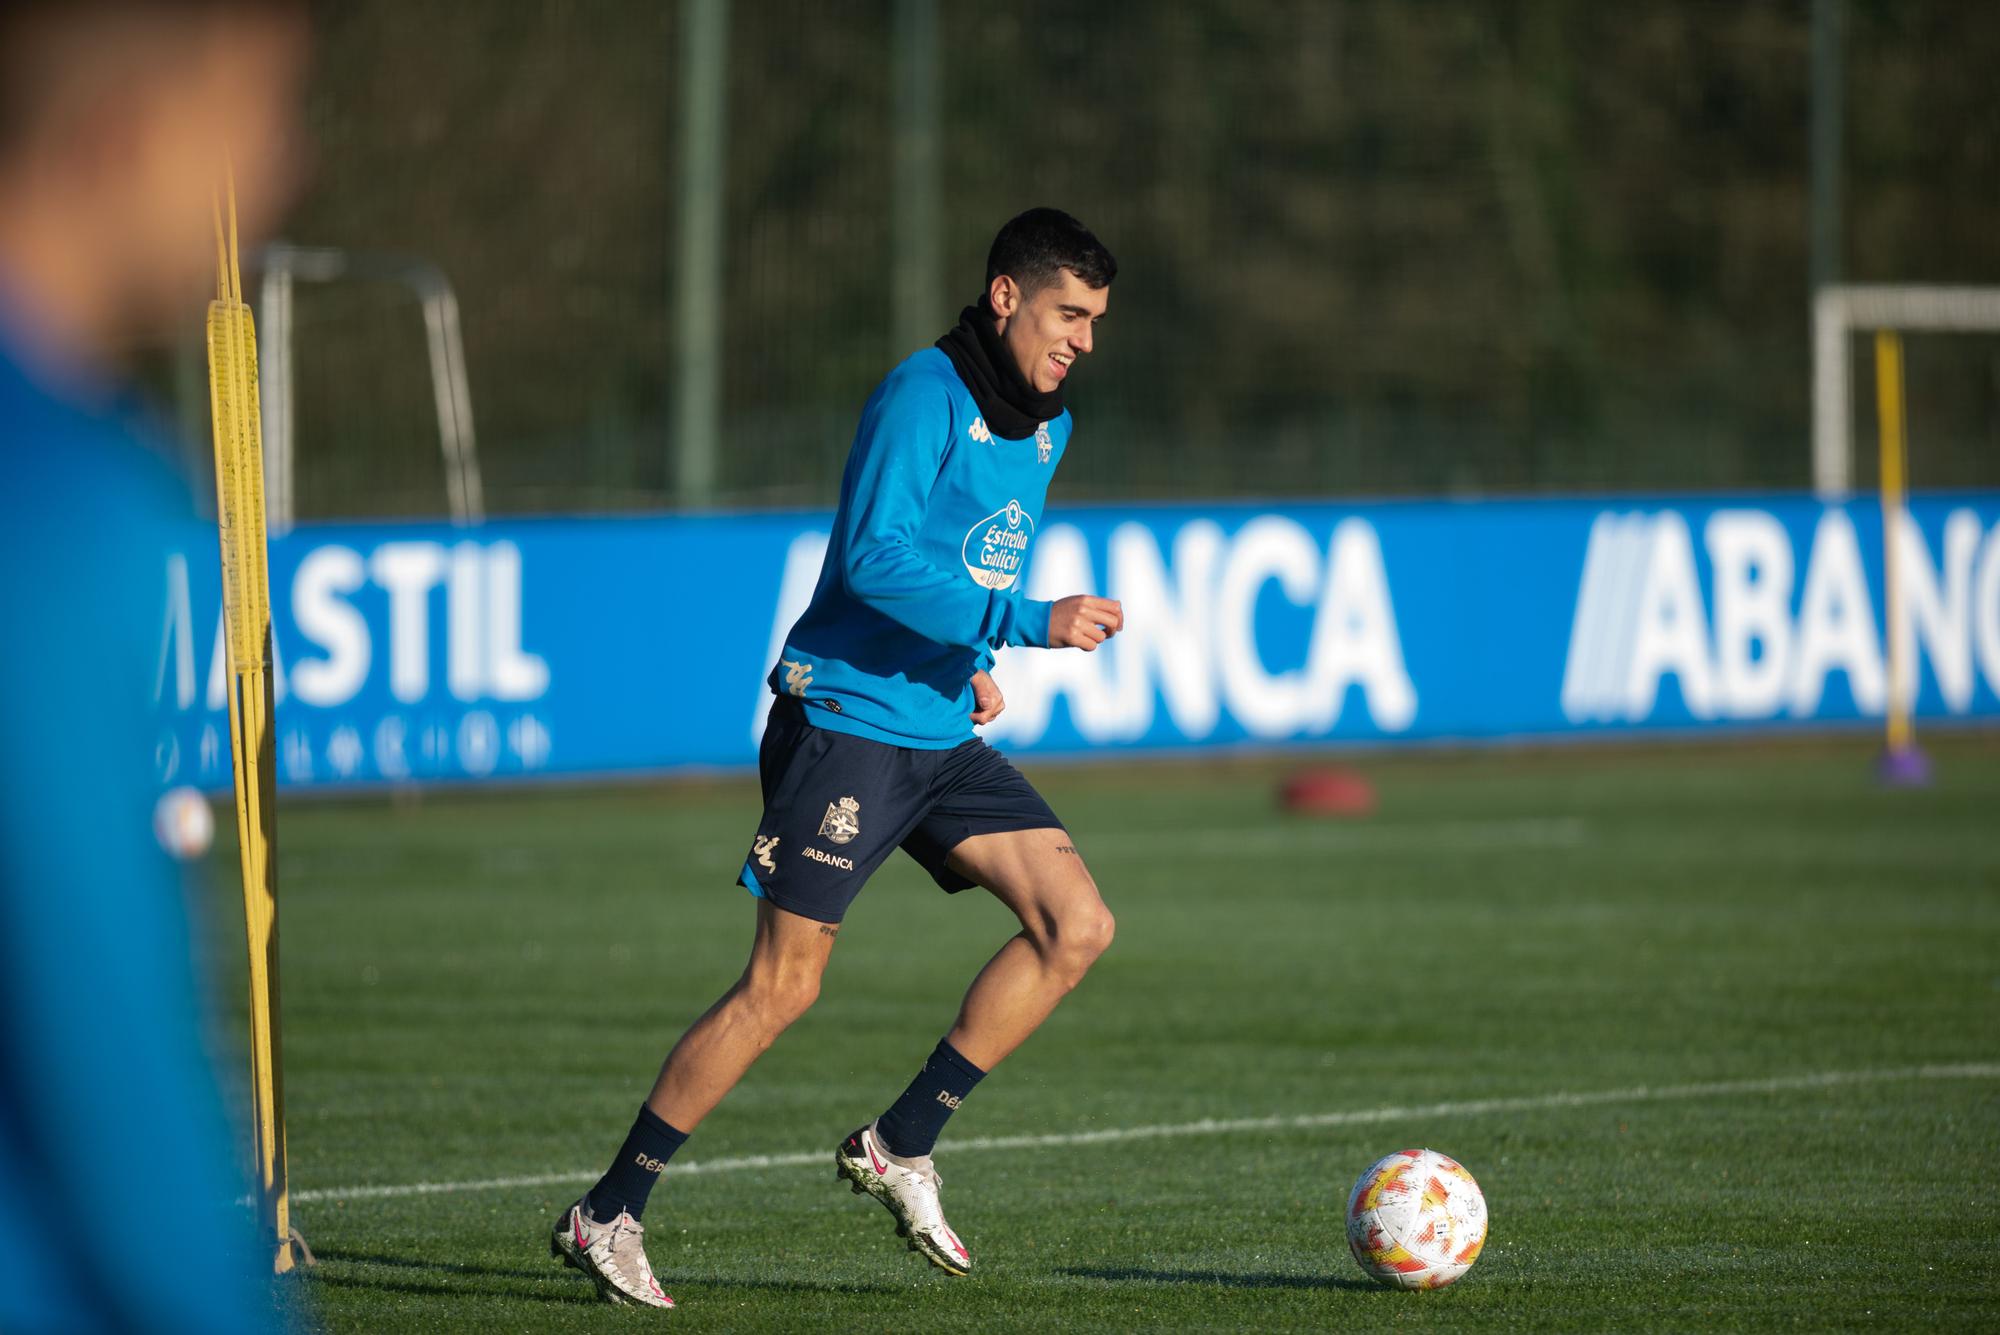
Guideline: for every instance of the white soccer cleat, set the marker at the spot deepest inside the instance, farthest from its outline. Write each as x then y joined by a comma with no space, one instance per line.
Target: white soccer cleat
909,1192
612,1255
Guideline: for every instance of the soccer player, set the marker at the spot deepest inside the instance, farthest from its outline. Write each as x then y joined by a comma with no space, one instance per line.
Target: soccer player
870,744
117,1180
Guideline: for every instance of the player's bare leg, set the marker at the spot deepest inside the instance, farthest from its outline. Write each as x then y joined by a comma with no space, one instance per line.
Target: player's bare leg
1064,928
601,1234
780,984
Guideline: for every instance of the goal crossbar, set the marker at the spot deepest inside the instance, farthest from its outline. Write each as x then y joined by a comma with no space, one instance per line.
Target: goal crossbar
1840,310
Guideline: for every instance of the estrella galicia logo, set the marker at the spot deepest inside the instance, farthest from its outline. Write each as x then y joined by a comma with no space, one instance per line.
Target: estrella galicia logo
997,546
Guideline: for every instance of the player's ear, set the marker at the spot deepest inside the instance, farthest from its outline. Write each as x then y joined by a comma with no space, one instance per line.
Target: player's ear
1004,295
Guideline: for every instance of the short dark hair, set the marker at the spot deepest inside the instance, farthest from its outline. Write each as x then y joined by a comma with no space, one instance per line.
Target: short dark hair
1035,247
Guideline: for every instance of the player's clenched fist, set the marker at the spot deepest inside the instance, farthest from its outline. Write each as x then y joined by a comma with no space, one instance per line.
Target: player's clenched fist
987,702
1084,621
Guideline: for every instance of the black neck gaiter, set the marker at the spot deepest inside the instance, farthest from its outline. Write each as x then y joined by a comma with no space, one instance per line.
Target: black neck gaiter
1012,407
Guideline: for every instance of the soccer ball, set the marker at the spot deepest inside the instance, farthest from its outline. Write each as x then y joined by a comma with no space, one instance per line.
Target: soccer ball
1416,1220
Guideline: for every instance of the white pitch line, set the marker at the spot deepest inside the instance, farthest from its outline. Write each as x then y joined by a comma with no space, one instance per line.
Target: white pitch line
1225,1126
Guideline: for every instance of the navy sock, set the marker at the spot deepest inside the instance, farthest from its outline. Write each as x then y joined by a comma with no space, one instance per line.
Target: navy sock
648,1146
913,1123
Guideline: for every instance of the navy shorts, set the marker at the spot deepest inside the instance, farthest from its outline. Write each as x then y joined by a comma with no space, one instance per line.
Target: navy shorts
836,806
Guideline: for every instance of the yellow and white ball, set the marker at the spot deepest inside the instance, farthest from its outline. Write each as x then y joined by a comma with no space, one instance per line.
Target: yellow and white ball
1416,1220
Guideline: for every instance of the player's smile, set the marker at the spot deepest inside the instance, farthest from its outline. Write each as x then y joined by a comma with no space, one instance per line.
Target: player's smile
1049,330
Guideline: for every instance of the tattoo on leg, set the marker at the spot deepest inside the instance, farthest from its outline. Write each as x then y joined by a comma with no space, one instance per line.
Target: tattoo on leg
1066,848
828,929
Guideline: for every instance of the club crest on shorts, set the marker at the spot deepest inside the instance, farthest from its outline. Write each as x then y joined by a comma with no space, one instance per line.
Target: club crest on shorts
843,820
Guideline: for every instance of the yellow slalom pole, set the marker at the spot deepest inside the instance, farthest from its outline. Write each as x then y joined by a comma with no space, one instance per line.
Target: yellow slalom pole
1889,419
239,482
1902,763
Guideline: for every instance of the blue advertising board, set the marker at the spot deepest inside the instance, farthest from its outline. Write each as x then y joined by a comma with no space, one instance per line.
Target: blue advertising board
423,652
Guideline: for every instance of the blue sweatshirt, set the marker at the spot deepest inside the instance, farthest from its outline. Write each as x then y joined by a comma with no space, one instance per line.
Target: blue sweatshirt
925,570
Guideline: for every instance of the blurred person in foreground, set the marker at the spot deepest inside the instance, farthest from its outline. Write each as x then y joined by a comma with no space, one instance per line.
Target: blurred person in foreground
871,746
118,1180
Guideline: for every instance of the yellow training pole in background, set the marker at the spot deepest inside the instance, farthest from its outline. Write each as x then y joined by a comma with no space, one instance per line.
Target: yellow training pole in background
239,510
1902,762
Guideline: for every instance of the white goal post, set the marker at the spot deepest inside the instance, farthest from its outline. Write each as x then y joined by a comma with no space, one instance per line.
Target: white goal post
284,266
1844,309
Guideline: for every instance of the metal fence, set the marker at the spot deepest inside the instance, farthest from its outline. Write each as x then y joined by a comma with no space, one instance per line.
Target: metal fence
1366,248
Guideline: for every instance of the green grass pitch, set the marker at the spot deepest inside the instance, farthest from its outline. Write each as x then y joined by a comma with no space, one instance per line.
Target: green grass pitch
480,987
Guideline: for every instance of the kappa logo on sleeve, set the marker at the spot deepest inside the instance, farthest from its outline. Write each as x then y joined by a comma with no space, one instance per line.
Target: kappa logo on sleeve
997,546
979,431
